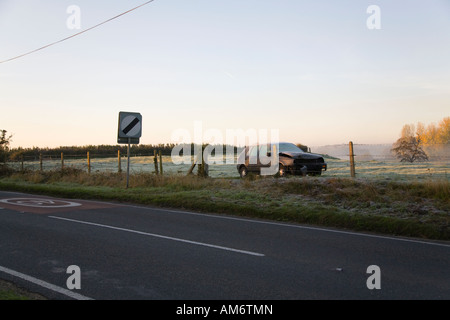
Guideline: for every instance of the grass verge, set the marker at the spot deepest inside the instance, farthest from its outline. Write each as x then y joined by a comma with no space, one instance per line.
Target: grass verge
419,209
10,291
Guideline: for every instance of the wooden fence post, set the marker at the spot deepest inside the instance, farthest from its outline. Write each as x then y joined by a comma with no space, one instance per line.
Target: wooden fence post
155,161
40,161
118,161
203,166
160,162
21,164
196,159
89,162
352,160
62,161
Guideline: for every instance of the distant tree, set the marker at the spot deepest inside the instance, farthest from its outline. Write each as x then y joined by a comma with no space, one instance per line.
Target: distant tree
408,148
431,134
435,134
444,131
4,145
303,147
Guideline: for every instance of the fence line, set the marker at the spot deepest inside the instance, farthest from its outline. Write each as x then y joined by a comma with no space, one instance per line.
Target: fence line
90,162
376,166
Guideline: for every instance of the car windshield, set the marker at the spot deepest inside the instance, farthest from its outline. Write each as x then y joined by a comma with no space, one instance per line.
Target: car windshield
289,147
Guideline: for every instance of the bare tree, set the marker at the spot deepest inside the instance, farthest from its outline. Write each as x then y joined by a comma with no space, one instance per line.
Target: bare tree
408,148
4,145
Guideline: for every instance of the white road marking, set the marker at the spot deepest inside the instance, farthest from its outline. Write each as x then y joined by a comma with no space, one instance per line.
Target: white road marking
282,224
162,236
44,284
40,203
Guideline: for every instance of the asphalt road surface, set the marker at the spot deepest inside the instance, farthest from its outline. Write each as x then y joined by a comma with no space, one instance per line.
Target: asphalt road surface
116,251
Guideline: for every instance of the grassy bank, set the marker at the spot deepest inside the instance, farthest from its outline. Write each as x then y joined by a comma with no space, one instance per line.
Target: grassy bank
10,291
415,209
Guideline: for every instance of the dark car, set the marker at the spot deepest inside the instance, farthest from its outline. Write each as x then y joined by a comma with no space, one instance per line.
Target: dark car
292,160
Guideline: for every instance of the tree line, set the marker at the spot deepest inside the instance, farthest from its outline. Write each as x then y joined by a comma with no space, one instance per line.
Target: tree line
433,133
100,151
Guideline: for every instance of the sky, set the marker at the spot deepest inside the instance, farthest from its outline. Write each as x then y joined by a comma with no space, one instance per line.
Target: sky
318,72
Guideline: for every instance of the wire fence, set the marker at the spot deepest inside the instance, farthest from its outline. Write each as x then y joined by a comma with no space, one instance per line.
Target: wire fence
373,166
381,152
95,163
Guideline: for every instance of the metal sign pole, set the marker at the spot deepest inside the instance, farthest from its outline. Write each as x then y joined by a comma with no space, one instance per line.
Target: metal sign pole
129,131
128,161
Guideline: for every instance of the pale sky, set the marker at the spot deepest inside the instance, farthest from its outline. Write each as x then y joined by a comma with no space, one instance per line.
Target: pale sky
311,69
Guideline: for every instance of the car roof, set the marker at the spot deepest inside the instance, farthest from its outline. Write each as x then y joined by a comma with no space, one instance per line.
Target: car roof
255,145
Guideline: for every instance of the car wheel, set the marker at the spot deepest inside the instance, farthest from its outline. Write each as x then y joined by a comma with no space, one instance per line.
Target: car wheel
243,171
281,170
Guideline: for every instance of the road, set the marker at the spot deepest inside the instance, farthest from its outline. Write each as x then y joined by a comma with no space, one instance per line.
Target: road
136,252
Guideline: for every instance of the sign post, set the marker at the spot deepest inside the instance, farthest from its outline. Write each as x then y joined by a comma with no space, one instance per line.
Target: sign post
129,132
